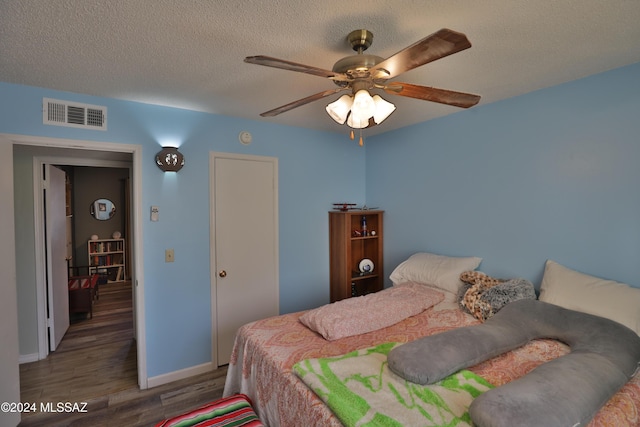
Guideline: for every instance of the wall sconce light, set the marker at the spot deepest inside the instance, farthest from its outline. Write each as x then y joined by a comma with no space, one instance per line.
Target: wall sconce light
169,159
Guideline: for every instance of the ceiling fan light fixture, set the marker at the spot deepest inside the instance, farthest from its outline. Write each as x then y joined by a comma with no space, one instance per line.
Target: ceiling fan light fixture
363,106
339,110
361,73
383,109
345,109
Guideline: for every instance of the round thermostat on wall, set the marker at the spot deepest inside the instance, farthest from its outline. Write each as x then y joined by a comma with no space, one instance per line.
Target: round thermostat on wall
245,137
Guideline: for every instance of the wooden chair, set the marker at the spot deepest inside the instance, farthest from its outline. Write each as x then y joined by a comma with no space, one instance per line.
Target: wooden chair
83,290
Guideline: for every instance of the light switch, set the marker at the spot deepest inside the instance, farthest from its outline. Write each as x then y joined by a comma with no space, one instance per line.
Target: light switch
168,255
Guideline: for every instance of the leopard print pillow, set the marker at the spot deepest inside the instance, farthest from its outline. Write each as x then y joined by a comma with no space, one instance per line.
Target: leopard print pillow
483,296
470,300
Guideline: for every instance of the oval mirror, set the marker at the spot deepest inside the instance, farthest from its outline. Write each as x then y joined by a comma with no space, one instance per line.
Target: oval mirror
102,209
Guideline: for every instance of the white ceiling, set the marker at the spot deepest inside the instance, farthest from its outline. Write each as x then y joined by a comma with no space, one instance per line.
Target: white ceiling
189,53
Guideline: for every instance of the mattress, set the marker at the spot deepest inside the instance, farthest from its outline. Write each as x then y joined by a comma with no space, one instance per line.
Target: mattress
265,351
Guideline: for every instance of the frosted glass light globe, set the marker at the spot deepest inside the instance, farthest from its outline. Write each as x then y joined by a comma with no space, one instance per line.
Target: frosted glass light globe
363,106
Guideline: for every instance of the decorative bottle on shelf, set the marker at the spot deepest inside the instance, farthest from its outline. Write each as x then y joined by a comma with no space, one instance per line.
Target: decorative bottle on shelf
364,226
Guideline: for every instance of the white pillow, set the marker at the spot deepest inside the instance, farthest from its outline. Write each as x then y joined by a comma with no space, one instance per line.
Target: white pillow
438,270
581,292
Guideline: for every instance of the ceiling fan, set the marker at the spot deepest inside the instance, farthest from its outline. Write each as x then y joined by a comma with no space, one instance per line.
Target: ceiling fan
361,73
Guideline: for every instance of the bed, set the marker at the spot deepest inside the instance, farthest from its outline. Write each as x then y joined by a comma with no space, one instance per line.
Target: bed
266,351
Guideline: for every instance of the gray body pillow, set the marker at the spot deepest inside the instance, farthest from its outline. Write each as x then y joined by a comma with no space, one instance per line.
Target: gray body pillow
567,391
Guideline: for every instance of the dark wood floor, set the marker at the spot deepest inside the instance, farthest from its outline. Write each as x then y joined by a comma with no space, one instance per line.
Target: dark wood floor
96,363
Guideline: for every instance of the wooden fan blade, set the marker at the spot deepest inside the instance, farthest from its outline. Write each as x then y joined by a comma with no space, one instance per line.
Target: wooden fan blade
442,96
300,102
268,61
438,45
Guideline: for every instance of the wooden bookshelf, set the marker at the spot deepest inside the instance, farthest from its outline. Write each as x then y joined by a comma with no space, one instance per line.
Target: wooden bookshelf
106,257
349,245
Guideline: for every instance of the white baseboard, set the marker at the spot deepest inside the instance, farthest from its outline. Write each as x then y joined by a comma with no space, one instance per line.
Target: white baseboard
179,375
28,358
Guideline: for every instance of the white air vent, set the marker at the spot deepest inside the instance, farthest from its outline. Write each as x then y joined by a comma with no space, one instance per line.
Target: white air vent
65,113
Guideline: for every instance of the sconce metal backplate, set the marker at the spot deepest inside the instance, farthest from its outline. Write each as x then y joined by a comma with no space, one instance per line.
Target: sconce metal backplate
170,159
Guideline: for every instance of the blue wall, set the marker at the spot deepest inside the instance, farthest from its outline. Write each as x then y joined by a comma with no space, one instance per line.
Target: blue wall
552,174
316,169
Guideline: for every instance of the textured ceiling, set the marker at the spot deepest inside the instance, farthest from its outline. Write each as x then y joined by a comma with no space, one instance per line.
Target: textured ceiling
189,53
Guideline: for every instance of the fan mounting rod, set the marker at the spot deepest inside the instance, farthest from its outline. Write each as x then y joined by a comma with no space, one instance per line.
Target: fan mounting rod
360,40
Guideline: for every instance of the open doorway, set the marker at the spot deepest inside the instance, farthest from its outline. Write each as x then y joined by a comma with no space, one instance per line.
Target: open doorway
90,154
98,179
98,222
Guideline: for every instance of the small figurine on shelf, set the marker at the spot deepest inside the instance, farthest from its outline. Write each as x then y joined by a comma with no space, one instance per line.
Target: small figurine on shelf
364,225
343,207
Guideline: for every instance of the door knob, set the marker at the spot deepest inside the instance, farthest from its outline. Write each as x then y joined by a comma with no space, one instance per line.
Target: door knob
222,273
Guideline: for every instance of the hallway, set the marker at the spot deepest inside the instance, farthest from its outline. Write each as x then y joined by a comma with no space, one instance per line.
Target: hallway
96,356
96,363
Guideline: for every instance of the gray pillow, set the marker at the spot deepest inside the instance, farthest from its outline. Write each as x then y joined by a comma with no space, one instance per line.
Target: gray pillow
567,391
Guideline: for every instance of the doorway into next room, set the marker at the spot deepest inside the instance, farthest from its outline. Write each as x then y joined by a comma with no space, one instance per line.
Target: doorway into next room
98,353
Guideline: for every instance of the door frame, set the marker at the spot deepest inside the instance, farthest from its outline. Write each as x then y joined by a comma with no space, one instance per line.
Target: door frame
137,270
213,155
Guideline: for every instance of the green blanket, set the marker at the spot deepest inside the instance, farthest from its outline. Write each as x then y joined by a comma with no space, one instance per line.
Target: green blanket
361,390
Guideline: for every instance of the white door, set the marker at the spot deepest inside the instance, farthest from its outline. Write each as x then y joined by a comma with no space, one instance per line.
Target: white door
245,244
56,242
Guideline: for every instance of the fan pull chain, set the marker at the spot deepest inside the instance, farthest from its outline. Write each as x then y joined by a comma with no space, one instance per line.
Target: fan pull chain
352,136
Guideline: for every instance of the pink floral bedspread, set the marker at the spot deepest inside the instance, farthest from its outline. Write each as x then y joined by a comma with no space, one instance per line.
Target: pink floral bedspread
264,352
